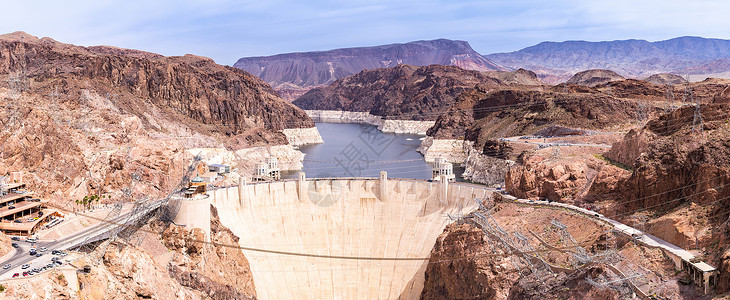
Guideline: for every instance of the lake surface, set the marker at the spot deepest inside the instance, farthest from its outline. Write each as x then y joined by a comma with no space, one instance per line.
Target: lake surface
361,150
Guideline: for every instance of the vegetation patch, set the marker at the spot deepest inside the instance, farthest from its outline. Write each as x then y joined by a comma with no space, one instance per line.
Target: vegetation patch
613,162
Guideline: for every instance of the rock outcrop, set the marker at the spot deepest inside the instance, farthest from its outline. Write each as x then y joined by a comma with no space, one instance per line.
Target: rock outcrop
573,181
516,77
665,79
479,115
485,169
478,278
81,120
594,77
677,165
403,92
219,269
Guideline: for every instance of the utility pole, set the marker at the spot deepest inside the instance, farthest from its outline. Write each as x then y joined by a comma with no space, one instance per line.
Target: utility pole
670,96
556,151
642,112
697,122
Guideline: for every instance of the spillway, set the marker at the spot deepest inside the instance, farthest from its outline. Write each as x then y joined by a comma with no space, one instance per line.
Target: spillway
357,220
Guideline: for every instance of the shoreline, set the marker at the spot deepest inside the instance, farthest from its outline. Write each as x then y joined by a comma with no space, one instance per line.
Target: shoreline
384,125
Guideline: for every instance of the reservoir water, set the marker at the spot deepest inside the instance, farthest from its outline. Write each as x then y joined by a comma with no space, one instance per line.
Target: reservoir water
361,150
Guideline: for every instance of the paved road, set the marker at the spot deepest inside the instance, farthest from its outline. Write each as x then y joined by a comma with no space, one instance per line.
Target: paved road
22,255
527,140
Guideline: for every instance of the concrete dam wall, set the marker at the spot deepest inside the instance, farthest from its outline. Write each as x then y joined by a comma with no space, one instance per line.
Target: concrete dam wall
359,220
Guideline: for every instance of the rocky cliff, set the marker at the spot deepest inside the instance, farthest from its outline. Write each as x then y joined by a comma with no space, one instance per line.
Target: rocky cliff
594,77
516,77
402,92
294,73
226,99
680,174
464,262
479,114
673,163
665,79
169,262
82,120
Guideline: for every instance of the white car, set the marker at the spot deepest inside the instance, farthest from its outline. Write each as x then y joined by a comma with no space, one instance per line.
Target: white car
43,249
25,266
7,266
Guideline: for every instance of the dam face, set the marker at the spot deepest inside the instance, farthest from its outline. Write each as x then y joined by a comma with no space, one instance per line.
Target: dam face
359,220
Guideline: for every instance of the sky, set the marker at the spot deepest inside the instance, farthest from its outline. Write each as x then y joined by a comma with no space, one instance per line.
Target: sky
226,30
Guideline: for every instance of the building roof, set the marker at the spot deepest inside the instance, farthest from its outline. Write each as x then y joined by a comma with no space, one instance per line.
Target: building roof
11,186
13,196
26,226
704,267
25,205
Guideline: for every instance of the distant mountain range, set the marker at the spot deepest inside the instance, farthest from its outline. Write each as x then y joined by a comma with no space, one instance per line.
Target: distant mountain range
558,61
292,74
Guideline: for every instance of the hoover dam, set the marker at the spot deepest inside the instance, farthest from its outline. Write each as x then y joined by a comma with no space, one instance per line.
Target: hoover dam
343,238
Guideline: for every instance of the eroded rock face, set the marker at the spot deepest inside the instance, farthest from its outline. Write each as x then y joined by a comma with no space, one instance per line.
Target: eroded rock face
219,270
631,147
678,167
481,114
563,286
82,120
230,99
575,181
594,77
403,92
665,79
496,277
516,77
480,278
485,169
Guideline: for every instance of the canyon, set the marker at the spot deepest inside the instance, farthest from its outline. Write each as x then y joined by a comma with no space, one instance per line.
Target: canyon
649,153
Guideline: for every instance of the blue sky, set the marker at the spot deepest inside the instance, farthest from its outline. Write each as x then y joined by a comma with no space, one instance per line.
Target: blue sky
227,30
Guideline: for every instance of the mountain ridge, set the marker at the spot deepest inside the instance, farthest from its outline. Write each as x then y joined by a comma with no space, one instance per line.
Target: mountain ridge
633,58
292,74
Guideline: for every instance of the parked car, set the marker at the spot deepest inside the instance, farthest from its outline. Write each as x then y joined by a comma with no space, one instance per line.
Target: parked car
18,221
6,266
33,253
11,207
15,238
43,249
38,254
36,270
25,273
25,266
16,275
15,245
54,252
